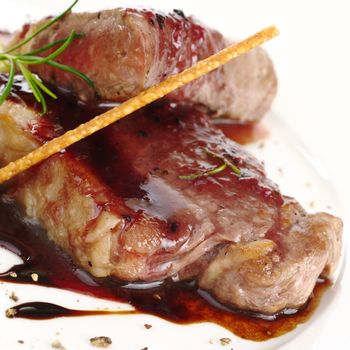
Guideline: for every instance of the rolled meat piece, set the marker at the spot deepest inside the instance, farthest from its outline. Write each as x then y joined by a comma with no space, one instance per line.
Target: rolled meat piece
125,51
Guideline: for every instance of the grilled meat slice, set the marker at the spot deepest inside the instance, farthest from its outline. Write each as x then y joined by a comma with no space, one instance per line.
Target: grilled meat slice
125,51
116,203
274,273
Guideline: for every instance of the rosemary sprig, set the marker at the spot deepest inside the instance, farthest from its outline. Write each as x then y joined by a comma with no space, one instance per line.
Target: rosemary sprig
42,28
226,163
19,62
233,167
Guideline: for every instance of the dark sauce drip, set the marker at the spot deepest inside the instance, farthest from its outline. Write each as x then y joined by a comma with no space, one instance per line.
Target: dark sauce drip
45,311
181,302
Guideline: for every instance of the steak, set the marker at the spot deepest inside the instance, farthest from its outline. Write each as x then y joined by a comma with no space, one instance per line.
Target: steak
145,200
125,51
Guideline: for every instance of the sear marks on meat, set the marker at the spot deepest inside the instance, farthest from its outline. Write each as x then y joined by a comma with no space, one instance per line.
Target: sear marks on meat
116,203
125,51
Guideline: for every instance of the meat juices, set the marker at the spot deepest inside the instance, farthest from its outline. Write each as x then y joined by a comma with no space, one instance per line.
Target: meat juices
125,51
116,203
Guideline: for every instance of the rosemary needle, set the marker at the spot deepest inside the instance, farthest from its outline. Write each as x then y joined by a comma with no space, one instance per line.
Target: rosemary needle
233,167
9,84
20,62
204,173
220,168
42,28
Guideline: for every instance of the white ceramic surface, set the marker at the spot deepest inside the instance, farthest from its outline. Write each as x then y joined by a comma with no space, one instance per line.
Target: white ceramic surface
311,58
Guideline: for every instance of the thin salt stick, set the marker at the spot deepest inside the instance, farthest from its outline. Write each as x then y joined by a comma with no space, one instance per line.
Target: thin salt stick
144,98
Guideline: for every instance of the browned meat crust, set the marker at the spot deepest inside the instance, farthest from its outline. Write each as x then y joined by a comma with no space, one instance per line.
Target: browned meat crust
125,51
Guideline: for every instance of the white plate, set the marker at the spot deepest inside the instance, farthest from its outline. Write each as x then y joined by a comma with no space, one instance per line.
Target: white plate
282,151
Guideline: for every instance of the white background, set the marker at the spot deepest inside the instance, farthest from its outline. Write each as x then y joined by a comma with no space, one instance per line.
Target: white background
311,56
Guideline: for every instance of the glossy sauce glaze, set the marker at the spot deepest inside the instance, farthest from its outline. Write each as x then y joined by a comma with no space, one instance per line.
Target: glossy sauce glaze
179,302
182,302
141,169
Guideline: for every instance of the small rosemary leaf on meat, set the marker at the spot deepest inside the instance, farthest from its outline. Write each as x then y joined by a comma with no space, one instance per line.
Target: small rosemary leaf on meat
190,177
211,172
233,167
216,170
